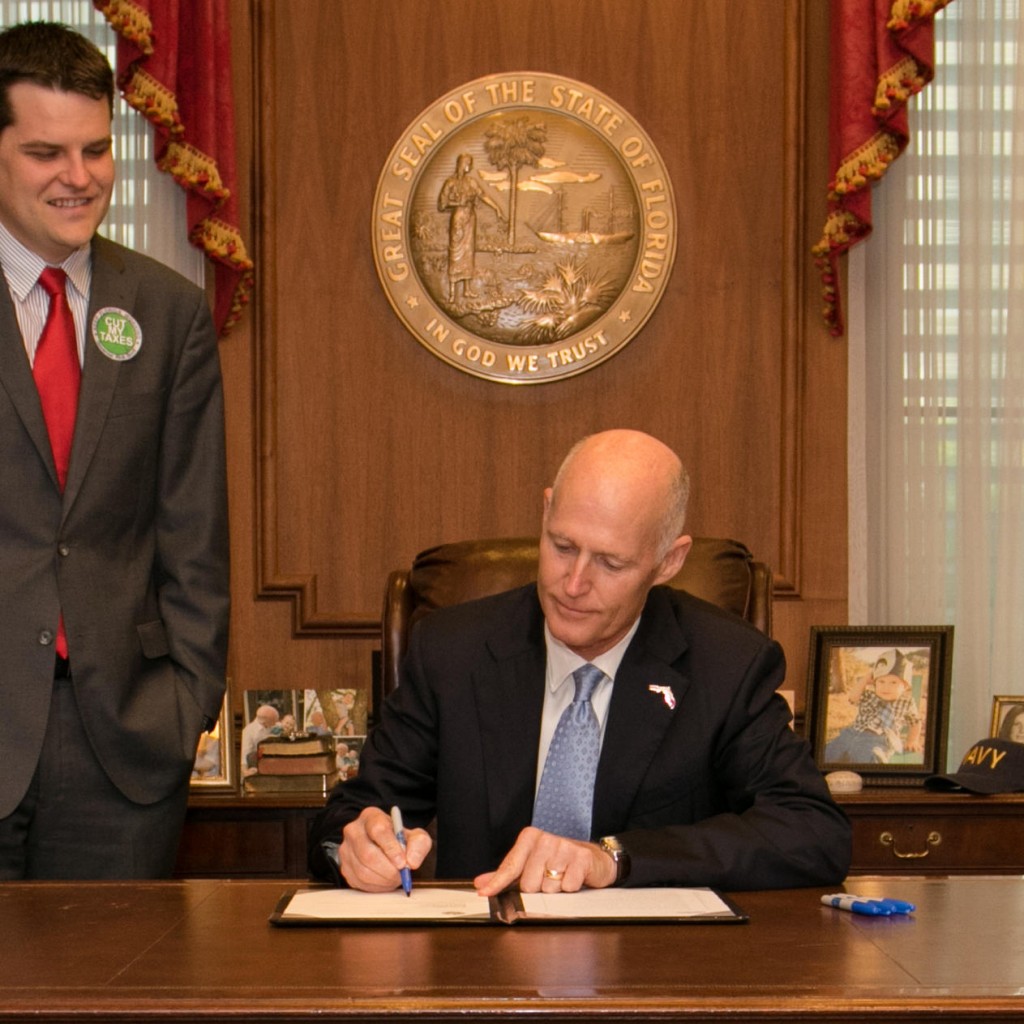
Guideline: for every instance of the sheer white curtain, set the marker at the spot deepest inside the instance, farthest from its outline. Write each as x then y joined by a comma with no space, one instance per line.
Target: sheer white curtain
147,211
937,370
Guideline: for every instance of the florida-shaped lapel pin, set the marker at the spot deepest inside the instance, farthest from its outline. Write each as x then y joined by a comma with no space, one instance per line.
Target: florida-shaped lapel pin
666,695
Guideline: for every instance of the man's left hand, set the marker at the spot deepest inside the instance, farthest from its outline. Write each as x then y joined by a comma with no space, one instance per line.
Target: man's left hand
543,862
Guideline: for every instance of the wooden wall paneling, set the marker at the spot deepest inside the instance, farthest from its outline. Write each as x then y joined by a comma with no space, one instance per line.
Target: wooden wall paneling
821,449
359,447
264,651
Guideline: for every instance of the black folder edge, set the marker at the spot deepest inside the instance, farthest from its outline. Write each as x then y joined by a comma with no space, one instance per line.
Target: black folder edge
506,908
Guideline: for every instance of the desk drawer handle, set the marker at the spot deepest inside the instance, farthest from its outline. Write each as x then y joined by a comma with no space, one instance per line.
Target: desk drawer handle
887,839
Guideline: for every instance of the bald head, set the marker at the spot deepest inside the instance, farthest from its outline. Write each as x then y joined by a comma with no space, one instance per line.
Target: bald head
612,530
266,715
629,467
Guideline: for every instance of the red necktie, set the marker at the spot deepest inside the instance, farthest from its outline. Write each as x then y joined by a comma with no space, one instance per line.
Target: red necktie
57,373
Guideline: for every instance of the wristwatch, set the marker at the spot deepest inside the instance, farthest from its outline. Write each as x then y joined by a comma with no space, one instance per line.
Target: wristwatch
617,852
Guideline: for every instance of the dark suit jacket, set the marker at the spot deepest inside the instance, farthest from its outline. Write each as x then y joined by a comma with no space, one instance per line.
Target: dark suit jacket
134,552
717,791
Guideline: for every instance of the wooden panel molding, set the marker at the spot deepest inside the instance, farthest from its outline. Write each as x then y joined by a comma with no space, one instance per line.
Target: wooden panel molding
366,447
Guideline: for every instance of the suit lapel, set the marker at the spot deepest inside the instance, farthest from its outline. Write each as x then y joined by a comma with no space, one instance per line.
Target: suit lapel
16,379
509,699
638,716
111,286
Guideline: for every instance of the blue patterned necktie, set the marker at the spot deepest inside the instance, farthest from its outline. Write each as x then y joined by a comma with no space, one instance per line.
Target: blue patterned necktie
565,798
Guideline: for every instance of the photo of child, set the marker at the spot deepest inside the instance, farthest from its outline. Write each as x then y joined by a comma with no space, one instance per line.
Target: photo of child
877,704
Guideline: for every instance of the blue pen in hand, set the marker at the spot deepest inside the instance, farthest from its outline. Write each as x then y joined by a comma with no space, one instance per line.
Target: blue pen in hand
399,827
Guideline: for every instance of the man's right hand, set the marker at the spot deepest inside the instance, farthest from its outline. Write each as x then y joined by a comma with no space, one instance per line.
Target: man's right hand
370,857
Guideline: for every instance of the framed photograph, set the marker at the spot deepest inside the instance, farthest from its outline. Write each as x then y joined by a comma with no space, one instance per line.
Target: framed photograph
348,749
878,700
338,711
268,713
1008,718
214,766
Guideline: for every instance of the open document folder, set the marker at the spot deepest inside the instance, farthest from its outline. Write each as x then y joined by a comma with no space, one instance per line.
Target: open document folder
441,903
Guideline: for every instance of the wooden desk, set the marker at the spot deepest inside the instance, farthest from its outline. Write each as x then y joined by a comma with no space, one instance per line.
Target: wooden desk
203,950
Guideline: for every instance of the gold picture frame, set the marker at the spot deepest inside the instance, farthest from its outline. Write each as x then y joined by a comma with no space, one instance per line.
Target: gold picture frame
1008,718
214,766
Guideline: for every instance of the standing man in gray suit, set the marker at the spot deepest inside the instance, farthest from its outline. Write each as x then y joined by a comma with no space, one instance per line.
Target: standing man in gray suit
113,528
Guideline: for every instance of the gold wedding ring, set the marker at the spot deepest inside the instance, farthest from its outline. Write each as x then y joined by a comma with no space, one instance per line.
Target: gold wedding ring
553,875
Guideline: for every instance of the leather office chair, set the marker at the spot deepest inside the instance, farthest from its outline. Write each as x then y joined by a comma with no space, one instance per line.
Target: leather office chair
720,571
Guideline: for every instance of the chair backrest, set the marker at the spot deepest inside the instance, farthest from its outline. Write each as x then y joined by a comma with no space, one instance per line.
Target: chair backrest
720,571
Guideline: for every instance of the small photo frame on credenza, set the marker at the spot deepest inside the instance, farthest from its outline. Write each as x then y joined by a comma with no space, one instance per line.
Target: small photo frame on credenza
1008,718
214,766
878,700
338,712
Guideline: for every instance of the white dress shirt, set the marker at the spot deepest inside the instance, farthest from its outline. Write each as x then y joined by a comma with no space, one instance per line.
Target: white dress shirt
22,268
560,688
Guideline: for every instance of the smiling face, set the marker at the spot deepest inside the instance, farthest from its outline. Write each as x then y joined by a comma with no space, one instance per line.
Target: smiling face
56,169
602,541
1017,728
890,687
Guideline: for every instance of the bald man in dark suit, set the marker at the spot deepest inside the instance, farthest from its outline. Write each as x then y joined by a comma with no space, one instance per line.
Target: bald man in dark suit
699,779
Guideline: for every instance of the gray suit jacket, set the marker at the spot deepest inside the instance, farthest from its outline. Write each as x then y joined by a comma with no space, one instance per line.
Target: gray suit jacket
717,790
134,552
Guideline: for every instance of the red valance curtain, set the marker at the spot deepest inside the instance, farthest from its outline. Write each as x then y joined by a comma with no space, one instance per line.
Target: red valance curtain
174,67
882,53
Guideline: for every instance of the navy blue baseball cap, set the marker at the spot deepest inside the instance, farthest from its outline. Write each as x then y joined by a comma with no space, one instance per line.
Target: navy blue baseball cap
990,766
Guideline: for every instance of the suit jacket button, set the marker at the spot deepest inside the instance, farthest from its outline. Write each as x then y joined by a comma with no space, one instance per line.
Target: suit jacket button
46,637
63,549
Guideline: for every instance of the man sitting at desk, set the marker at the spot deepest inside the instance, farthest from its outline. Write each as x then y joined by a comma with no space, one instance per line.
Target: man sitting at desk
677,768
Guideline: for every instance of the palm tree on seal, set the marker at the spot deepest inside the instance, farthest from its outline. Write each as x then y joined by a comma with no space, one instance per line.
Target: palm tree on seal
512,143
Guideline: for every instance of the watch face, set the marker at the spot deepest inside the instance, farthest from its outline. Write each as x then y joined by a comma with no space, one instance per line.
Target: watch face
614,849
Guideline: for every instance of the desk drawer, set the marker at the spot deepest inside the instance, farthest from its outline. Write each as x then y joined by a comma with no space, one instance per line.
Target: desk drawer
940,843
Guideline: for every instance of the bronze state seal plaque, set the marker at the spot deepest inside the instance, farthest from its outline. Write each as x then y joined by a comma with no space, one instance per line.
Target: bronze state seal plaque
524,228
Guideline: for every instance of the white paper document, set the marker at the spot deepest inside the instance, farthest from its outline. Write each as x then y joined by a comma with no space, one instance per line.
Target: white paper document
625,903
425,903
439,904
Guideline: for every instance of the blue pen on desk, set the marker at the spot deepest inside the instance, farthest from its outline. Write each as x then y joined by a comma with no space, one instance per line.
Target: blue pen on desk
856,905
399,827
895,906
